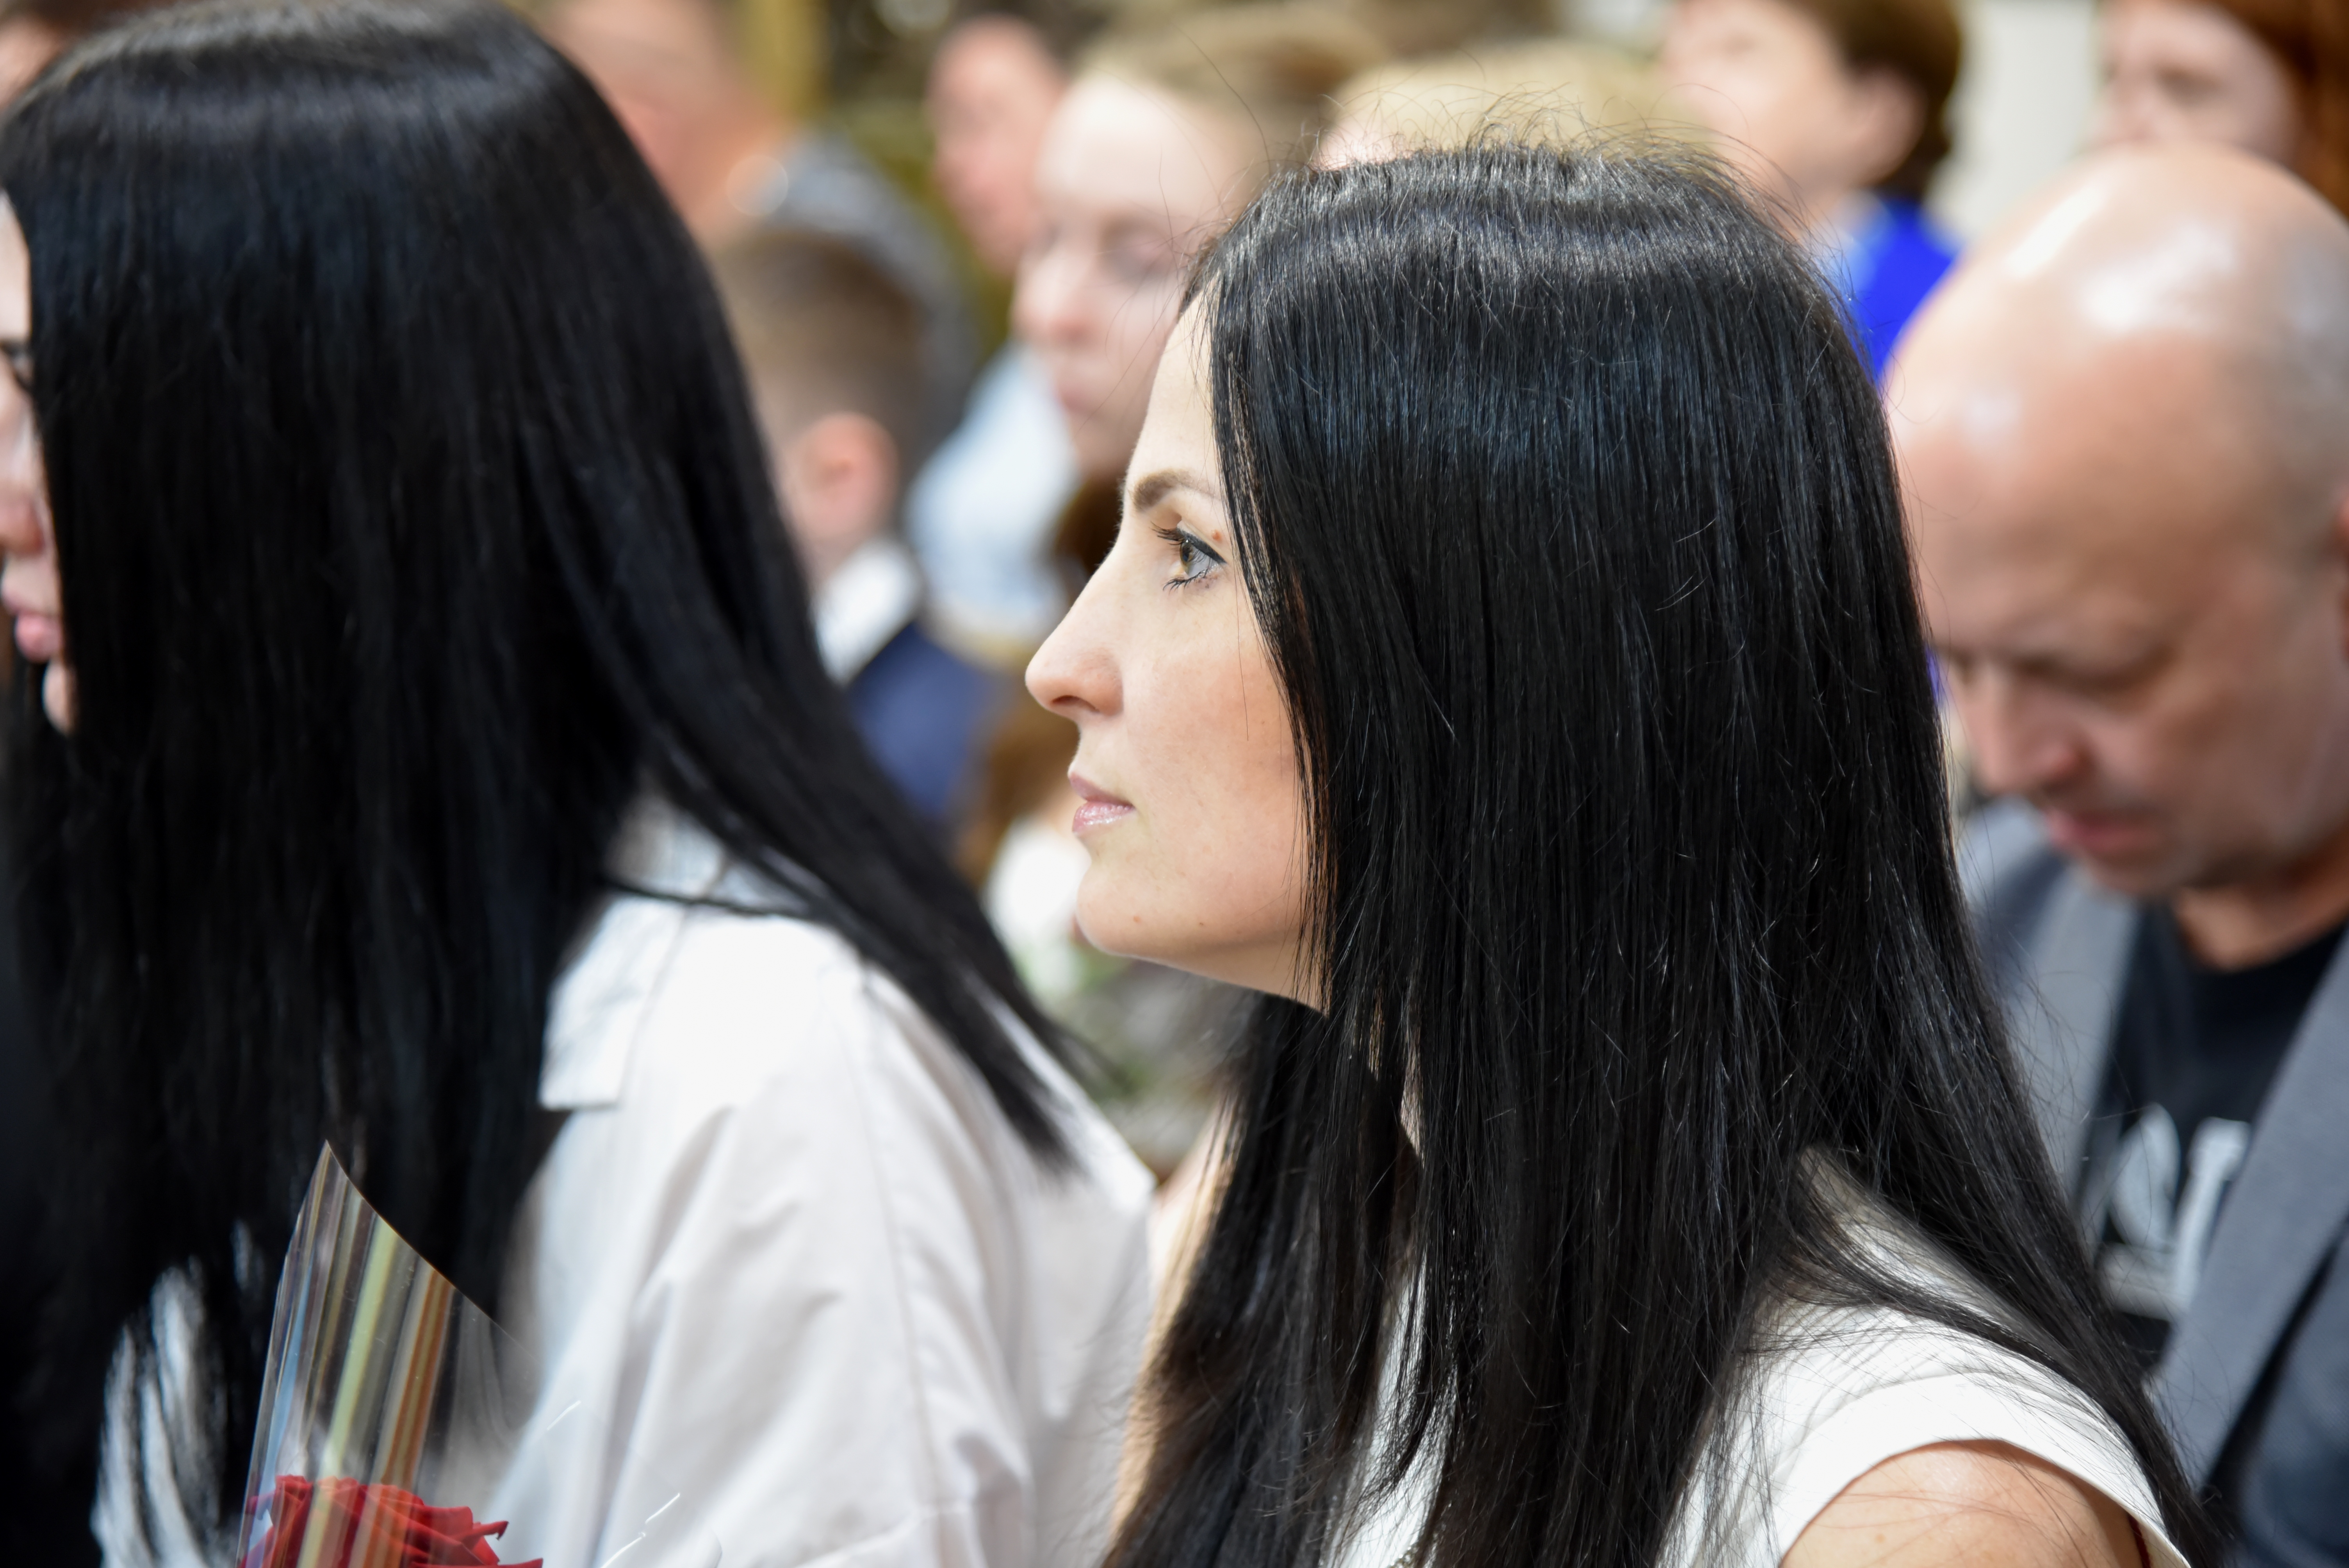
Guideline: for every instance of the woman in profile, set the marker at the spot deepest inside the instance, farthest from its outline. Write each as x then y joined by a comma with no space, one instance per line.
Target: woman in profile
440,764
1507,664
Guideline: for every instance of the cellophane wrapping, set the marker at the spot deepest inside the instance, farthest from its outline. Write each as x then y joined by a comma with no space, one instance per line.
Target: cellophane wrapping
392,1410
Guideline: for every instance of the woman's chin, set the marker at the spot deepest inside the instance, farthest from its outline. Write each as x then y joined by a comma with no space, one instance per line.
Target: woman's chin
1118,936
59,697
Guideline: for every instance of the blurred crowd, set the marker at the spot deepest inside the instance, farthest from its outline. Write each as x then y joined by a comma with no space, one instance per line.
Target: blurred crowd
952,241
952,488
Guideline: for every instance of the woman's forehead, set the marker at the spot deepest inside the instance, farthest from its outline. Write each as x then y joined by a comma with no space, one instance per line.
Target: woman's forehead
1118,146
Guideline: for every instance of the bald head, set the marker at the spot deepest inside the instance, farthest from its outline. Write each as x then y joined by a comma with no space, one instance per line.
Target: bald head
2123,431
2225,276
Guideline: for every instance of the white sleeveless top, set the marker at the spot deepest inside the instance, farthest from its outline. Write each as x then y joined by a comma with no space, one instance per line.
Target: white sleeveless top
1831,1393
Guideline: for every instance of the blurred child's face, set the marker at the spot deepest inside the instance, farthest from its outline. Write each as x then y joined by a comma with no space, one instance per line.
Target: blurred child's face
837,474
1130,184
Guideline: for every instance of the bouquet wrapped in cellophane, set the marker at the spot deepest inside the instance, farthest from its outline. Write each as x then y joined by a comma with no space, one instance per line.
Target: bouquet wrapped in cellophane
392,1410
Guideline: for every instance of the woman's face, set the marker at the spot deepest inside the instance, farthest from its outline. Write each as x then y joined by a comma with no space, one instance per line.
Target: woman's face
1193,808
1129,184
2177,70
28,583
992,91
1769,79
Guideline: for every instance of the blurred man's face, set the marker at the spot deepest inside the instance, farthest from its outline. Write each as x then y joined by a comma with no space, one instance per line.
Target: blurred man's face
992,92
666,68
2178,70
2143,630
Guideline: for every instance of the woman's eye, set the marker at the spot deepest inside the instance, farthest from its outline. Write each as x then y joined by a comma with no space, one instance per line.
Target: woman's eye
1193,558
1139,259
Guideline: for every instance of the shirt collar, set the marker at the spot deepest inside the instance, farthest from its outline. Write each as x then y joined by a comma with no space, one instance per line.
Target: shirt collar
869,600
600,1000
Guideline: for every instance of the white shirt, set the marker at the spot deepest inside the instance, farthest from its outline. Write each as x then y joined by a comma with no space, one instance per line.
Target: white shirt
867,600
1831,1393
786,1263
790,1252
982,511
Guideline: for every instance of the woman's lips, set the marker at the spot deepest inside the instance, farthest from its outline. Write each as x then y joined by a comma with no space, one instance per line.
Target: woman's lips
1097,808
39,636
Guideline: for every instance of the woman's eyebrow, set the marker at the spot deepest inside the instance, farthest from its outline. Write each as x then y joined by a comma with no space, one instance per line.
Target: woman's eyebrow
1151,488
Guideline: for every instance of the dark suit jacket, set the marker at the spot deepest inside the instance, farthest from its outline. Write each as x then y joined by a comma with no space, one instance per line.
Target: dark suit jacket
2254,1384
924,712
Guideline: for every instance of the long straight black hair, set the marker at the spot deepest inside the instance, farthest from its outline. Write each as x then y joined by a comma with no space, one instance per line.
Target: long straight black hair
1569,517
412,522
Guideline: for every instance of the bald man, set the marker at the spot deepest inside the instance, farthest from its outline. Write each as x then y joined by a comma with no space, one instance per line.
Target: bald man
2123,431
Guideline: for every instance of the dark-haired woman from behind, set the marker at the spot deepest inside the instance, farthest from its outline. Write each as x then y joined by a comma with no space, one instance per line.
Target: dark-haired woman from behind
440,764
1507,664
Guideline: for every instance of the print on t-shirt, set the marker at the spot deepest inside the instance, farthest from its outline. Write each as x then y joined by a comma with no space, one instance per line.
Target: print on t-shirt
2160,1203
2194,1052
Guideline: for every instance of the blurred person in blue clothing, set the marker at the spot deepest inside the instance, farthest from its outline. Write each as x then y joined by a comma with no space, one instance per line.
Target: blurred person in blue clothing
982,513
1838,111
833,349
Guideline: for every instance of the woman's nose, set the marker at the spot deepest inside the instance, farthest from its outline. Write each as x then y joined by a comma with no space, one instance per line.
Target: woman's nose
1042,311
21,529
1073,673
22,537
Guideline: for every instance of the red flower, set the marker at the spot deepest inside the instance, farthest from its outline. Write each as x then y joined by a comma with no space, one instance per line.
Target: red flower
363,1526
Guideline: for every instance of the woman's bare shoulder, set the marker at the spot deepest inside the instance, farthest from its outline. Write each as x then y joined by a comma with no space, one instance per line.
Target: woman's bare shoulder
1967,1503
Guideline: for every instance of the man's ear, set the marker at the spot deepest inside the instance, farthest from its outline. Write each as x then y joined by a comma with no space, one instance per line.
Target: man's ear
840,484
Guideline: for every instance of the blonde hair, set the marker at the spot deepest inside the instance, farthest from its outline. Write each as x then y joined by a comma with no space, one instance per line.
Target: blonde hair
1278,67
1549,90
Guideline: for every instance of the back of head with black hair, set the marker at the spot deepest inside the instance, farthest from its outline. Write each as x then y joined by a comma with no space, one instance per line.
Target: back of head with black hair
1569,517
411,522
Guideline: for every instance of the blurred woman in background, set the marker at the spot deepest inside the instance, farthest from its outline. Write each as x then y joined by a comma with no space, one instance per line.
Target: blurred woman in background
1541,90
1163,137
438,764
2270,77
981,513
1509,666
1838,111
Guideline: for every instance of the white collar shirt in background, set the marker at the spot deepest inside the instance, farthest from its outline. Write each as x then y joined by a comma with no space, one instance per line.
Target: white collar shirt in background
790,1252
873,595
983,511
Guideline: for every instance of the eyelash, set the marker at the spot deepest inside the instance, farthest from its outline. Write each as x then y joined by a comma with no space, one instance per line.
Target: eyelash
1188,546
